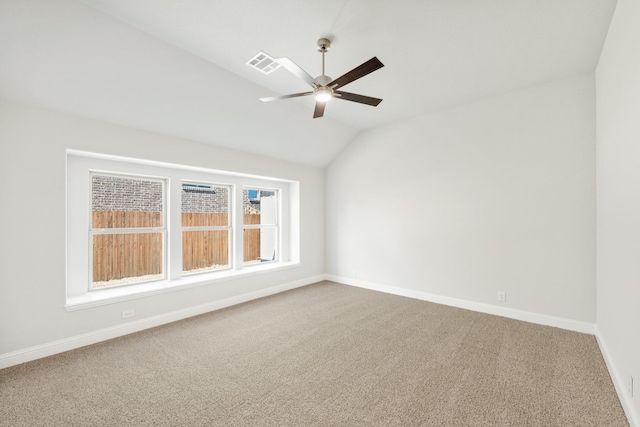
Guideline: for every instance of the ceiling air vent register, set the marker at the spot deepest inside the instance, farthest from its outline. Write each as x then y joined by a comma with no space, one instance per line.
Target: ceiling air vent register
263,63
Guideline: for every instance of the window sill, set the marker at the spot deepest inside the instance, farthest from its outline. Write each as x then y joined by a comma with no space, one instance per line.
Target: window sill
143,290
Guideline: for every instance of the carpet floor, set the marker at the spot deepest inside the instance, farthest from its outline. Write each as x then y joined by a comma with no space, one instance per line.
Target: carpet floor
322,355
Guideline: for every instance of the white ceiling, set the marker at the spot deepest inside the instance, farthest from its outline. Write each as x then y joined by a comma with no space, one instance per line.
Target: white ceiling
177,67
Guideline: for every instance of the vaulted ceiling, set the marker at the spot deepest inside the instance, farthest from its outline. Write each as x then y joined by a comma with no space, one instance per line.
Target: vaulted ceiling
178,67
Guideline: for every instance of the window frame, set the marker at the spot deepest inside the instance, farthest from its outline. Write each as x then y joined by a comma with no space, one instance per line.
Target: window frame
78,195
127,230
229,227
261,227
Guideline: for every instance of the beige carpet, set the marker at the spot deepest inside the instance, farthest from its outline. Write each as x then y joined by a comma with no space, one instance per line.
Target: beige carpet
322,355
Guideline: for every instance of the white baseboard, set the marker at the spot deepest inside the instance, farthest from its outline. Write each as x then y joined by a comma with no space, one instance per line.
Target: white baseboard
541,319
619,382
55,347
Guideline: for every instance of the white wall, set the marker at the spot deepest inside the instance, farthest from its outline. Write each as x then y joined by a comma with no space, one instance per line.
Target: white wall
498,195
33,147
618,192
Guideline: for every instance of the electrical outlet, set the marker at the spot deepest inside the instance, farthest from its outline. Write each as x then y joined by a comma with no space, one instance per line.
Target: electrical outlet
630,385
128,313
502,296
354,273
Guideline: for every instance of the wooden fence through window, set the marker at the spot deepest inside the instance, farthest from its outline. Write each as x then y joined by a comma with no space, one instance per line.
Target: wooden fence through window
118,256
251,238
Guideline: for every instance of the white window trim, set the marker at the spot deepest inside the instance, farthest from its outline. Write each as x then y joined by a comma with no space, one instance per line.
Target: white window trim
79,163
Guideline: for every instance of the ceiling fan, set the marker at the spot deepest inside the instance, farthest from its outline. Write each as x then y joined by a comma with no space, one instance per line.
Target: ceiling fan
324,87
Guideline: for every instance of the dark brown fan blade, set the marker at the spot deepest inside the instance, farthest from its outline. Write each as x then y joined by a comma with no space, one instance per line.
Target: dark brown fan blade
294,69
319,110
293,95
357,98
360,71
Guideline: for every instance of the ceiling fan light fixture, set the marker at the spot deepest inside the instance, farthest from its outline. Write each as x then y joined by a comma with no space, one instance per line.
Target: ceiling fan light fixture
323,94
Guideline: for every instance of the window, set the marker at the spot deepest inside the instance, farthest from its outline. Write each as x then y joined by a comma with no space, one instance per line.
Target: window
127,232
206,227
260,221
136,228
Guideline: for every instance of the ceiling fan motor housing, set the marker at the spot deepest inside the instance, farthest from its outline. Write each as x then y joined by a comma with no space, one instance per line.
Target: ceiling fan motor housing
323,80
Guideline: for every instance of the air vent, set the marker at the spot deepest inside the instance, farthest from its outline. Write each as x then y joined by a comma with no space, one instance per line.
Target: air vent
263,63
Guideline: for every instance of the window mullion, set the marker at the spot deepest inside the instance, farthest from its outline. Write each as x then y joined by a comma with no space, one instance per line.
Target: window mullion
238,234
174,210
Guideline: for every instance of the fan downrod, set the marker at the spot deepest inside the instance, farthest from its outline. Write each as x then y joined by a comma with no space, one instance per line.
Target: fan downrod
322,80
